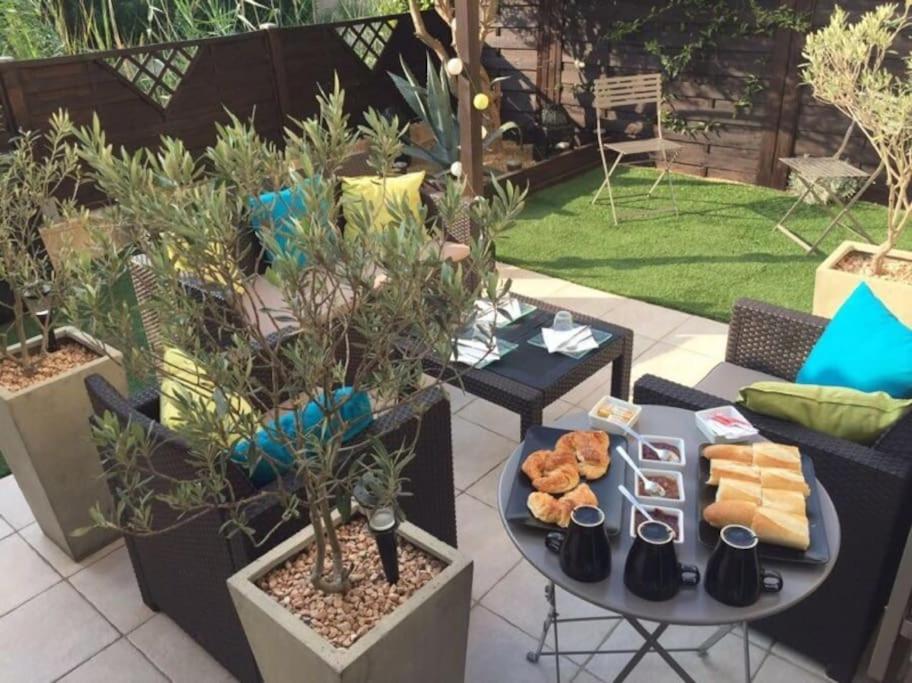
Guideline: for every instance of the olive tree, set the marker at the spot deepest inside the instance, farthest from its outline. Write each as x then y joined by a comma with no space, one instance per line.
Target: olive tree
362,310
846,68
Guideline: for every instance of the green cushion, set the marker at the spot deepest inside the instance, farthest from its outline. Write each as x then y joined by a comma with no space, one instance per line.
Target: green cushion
846,413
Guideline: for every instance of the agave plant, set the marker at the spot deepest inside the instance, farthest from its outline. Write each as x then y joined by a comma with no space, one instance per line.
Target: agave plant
433,104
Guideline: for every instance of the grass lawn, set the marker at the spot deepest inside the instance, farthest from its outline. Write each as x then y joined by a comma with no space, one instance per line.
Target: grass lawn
722,246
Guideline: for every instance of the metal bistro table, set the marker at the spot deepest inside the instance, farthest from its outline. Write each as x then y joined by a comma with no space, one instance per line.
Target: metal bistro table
692,606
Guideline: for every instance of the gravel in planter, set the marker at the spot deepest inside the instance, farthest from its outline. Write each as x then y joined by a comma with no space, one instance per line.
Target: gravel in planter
343,618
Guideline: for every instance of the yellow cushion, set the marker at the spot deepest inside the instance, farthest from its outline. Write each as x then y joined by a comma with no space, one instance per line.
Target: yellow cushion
173,248
182,376
371,194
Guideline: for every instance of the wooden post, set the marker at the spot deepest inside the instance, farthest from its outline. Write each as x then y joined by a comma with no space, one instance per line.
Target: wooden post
468,45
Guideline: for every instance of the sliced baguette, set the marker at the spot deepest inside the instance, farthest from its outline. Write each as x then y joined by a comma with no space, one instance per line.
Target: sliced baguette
732,470
787,501
782,528
732,452
766,454
779,478
736,489
727,512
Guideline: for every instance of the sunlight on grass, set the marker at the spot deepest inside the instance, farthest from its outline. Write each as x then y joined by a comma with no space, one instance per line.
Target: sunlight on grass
723,246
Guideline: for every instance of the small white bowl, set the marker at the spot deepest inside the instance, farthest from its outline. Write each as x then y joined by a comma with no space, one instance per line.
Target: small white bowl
609,425
703,425
662,464
678,515
655,500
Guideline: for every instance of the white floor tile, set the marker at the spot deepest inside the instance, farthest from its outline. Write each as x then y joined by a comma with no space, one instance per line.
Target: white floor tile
795,657
476,451
673,363
579,299
13,508
493,417
51,635
176,654
482,538
520,599
59,560
23,574
778,670
5,529
110,585
120,662
700,335
497,654
647,319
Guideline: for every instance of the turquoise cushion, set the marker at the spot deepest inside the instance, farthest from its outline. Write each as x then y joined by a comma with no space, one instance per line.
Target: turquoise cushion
269,441
865,347
279,209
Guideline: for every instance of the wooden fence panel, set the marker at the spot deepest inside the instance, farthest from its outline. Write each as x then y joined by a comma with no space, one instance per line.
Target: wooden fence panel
183,89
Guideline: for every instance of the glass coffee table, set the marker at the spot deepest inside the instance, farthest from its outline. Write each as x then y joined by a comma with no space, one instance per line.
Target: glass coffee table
528,378
692,606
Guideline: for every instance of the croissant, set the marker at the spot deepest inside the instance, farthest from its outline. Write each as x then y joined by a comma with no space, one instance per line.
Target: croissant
553,510
590,448
548,509
552,471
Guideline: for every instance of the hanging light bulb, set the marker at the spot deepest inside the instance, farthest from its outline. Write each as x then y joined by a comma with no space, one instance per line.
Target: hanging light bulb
456,169
454,66
484,132
481,101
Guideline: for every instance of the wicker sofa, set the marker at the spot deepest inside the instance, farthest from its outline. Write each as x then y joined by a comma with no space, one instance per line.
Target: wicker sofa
871,486
182,572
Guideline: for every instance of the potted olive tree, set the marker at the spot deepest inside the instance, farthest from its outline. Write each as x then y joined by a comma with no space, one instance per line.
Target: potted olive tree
846,66
358,310
43,407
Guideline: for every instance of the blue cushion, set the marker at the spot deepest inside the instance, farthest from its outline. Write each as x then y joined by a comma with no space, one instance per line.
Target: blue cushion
279,209
275,458
865,347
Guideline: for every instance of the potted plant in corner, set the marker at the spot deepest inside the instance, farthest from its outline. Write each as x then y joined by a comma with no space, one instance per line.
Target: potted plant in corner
44,410
846,66
303,413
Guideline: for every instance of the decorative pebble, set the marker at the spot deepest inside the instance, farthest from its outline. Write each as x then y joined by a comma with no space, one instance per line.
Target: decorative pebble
343,619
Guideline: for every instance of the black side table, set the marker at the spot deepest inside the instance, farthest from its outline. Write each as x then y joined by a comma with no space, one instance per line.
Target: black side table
529,378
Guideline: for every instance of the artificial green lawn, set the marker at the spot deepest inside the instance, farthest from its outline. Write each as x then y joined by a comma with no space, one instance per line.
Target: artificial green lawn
722,246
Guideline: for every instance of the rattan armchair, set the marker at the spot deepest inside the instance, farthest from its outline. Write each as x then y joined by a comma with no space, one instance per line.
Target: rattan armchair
182,572
871,487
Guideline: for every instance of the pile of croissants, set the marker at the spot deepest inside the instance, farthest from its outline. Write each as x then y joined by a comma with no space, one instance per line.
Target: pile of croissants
557,475
760,486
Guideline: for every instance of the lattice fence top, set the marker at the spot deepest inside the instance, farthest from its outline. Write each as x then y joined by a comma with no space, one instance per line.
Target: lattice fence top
156,73
368,39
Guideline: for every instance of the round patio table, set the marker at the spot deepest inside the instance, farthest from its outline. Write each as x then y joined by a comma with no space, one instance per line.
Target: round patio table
692,606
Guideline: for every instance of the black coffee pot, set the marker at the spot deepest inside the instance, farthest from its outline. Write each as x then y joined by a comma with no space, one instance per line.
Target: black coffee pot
652,571
733,574
585,553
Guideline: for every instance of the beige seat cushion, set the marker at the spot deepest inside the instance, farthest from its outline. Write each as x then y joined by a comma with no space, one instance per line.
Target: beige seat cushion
642,146
726,379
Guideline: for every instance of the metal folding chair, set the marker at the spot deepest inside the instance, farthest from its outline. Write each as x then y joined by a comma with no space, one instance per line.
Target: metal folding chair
810,171
621,91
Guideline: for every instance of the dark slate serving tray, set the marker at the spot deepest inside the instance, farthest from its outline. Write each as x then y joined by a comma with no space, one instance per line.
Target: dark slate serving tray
605,489
819,550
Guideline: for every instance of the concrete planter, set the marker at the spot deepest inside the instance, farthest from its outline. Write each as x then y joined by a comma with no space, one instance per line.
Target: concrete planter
48,444
423,640
832,287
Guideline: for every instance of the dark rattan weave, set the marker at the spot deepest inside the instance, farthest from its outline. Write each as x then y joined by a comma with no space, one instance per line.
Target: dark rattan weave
871,487
182,572
530,402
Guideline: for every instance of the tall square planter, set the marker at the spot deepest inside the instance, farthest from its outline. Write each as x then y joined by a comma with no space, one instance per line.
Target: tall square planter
832,286
423,640
47,441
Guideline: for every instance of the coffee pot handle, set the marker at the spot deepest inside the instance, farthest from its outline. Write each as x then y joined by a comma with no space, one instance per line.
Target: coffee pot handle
771,580
554,540
690,575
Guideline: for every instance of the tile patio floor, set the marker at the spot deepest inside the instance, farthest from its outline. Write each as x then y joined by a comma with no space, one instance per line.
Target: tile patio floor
85,622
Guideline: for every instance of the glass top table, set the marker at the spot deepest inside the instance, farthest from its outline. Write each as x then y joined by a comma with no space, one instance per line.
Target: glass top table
690,606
